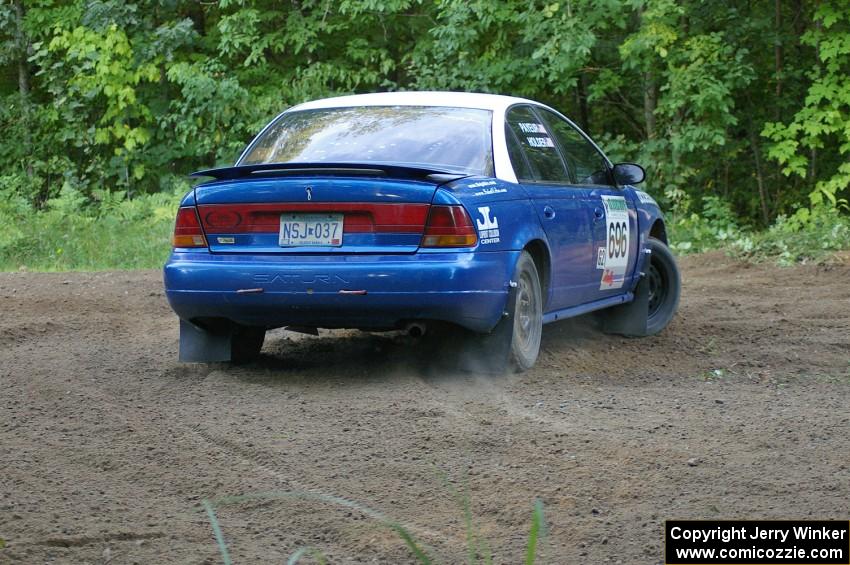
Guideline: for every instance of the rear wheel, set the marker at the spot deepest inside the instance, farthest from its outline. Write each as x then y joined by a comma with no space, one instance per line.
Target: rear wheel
527,327
246,343
514,343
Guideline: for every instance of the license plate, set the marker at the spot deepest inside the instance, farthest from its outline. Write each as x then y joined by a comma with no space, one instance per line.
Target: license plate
298,230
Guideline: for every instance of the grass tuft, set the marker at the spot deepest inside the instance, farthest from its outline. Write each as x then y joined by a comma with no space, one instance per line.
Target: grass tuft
219,536
411,543
476,546
537,533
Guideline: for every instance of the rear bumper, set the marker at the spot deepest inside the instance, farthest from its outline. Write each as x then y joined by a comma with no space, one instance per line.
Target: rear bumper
468,288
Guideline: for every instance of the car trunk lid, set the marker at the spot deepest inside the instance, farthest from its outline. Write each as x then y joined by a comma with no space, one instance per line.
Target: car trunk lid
257,209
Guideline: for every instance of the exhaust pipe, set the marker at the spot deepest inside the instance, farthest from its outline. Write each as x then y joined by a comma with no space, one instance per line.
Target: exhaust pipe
415,329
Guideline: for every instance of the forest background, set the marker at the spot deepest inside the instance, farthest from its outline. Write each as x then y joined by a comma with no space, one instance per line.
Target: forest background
739,110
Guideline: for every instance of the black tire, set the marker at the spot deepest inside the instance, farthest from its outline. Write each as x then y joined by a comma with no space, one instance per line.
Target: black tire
665,286
514,343
246,343
525,311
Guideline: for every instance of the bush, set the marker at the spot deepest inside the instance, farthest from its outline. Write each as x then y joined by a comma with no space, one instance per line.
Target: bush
717,226
810,234
72,233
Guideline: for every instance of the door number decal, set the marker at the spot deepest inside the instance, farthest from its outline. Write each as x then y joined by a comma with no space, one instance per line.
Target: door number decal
614,257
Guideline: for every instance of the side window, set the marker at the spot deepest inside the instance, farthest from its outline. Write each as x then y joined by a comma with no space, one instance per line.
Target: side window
585,162
536,144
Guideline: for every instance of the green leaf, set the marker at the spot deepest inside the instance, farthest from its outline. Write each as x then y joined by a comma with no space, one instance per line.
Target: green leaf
537,533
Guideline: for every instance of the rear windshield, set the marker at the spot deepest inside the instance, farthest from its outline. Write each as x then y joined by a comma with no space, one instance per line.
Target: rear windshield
446,139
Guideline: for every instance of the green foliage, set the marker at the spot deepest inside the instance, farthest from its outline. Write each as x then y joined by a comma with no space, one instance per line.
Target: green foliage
694,83
715,227
719,100
75,234
822,125
809,235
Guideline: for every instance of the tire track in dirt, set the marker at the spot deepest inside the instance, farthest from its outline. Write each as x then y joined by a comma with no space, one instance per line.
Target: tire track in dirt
162,423
104,435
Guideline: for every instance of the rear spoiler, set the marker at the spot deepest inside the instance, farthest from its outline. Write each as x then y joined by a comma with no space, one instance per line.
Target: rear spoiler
345,169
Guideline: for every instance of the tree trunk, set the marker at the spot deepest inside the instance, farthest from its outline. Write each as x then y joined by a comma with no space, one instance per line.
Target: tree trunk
813,166
650,102
23,48
759,176
813,153
650,92
778,180
777,53
581,98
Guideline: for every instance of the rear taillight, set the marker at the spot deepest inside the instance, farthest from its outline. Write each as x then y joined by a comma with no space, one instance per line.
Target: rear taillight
449,226
360,217
187,229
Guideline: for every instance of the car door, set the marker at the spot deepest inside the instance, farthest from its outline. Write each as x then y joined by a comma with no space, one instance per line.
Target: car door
614,217
541,169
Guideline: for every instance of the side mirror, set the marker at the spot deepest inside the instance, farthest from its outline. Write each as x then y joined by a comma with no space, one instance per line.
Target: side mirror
628,173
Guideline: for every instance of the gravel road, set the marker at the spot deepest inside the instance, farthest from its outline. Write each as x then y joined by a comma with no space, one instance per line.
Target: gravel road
108,446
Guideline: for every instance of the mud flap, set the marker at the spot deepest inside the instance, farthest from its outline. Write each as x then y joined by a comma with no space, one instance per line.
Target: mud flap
629,319
200,346
489,353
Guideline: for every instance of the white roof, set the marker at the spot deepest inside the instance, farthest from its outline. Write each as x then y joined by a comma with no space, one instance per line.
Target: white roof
494,102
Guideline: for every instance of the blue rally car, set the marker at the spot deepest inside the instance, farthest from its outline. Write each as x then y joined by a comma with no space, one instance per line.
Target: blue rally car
399,210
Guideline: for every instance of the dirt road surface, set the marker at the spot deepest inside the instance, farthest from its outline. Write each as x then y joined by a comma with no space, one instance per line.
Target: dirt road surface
108,446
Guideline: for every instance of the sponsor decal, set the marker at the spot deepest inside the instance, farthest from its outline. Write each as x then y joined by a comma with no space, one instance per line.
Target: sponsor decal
600,258
645,198
487,187
540,142
488,230
482,184
617,243
526,127
224,240
487,191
